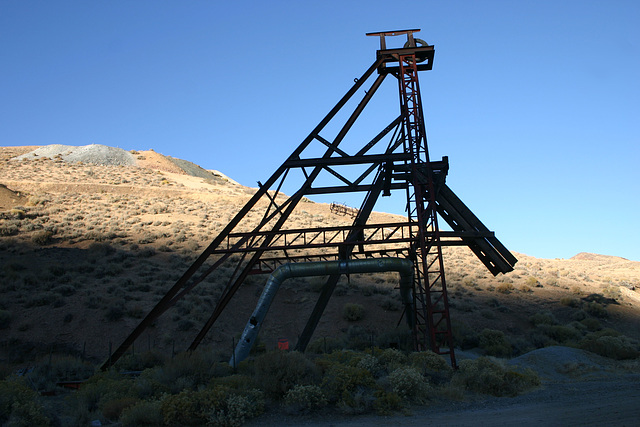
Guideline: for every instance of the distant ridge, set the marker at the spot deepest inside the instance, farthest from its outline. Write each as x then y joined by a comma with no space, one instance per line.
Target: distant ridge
103,155
593,257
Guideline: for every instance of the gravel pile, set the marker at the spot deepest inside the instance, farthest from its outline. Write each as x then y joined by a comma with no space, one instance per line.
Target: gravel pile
95,154
191,168
556,363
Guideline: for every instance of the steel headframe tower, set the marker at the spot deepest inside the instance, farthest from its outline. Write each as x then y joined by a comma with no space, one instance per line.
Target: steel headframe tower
247,246
431,305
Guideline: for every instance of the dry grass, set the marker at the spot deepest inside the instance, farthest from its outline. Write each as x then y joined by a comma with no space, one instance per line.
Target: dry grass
88,250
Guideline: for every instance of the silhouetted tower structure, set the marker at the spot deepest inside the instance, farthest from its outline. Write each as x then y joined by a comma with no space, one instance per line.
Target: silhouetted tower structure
402,164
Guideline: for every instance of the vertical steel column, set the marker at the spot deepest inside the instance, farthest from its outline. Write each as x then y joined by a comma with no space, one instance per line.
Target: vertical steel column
433,326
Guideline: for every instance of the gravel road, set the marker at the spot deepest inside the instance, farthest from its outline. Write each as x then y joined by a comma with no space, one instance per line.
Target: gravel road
614,402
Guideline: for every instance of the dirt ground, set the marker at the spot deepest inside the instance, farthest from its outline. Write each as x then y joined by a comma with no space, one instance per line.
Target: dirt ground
614,401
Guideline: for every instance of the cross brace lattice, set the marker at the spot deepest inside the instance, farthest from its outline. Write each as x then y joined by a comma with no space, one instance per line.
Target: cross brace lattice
395,159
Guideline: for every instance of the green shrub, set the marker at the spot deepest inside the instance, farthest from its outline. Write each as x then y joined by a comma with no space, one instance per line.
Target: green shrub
392,358
618,347
591,324
45,374
352,312
561,333
430,364
112,409
356,402
488,376
341,381
570,302
8,229
184,371
217,406
5,319
409,384
102,388
386,402
325,345
371,364
235,412
139,361
343,357
505,288
19,404
276,372
114,312
596,309
142,414
192,408
488,313
495,343
42,237
389,303
399,338
65,290
148,385
359,338
543,318
304,399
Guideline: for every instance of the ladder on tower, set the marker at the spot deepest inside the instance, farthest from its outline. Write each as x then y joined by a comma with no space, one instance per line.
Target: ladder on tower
431,306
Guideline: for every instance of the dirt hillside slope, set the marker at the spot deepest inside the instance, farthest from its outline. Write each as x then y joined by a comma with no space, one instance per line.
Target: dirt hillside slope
88,249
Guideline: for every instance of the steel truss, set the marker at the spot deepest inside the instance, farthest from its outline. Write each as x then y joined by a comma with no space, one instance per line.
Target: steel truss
402,164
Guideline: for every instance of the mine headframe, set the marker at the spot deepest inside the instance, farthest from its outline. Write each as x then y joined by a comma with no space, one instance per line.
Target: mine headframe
395,159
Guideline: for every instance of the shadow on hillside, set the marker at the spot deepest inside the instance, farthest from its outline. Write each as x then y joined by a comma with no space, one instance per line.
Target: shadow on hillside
96,292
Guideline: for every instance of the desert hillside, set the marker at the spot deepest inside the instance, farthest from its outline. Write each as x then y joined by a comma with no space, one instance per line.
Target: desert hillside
91,239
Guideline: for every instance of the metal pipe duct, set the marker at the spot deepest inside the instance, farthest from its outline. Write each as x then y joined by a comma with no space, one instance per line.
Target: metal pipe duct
323,268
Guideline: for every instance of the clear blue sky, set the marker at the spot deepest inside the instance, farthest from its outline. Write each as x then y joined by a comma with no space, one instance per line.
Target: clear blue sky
537,103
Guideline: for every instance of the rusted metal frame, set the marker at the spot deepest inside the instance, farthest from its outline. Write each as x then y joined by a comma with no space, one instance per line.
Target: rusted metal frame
281,183
304,172
363,215
337,175
351,189
436,233
420,295
272,204
204,275
395,231
430,264
365,174
336,234
487,253
222,303
375,159
168,299
465,212
162,306
393,125
246,238
314,237
325,229
358,110
226,297
296,237
358,84
328,144
332,242
230,291
263,262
